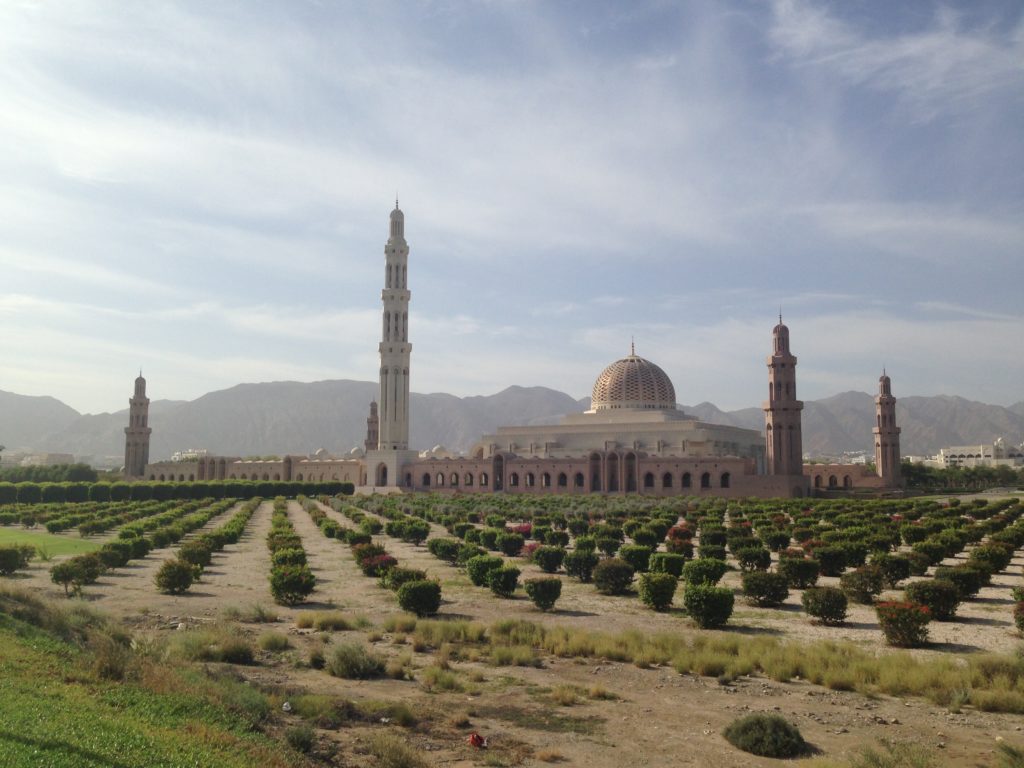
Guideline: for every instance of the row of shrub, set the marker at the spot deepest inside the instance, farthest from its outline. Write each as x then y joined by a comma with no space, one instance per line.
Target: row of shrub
36,493
291,580
176,576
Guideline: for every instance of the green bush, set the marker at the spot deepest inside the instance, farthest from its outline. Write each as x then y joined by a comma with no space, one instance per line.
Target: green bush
800,572
934,550
765,736
420,597
416,531
831,559
657,590
580,564
667,562
489,537
711,552
704,570
479,568
14,557
939,596
510,544
636,555
503,581
468,551
1018,615
549,558
755,558
289,556
445,549
353,662
905,625
765,589
544,592
966,579
708,606
300,738
826,604
863,584
196,552
393,578
613,576
174,577
609,545
990,558
894,568
291,584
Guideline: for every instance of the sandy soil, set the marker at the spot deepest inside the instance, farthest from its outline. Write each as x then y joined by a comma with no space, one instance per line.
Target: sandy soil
659,717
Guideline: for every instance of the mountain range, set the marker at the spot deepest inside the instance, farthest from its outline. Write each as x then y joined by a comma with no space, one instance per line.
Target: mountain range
298,418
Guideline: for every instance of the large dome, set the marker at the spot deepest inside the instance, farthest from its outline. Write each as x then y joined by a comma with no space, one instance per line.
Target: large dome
633,383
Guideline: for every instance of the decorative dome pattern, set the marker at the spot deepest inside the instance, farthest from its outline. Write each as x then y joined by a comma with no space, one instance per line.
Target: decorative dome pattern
634,383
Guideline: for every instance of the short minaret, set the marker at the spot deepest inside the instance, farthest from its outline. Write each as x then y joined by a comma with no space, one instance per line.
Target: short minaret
887,435
136,434
395,349
372,429
783,435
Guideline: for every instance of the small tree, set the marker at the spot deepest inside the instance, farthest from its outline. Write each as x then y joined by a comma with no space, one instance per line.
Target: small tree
827,604
479,568
580,564
800,572
657,590
503,581
174,577
863,584
940,596
549,558
708,606
704,570
420,597
765,589
905,625
291,584
544,592
613,576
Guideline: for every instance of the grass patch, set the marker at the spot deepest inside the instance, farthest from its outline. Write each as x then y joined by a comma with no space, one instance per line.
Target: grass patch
542,719
253,614
391,752
329,621
353,662
435,678
55,545
219,643
273,642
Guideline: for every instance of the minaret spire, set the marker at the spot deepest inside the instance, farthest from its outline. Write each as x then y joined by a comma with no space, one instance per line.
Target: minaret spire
887,435
395,349
136,434
783,430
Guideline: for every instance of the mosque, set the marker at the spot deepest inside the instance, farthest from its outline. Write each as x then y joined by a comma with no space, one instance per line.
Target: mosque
634,439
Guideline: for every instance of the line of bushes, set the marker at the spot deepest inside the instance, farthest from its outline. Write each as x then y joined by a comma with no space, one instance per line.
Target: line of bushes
37,493
291,580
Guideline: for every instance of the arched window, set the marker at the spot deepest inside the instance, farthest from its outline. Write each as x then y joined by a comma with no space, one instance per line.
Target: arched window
266,475
832,481
468,479
529,480
454,479
649,480
725,480
847,482
545,480
426,479
687,481
483,479
277,476
817,481
705,480
578,480
440,479
666,480
513,480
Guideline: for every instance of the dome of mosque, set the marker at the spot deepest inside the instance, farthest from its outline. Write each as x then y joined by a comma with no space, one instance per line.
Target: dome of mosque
633,383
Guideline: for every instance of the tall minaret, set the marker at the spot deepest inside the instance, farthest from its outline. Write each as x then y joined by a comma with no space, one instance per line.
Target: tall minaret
395,348
887,435
136,434
783,437
372,429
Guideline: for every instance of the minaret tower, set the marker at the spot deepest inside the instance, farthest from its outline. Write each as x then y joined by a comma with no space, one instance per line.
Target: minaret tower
136,434
887,435
372,429
783,436
395,348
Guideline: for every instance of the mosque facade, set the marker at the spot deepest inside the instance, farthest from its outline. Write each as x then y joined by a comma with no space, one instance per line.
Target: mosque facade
634,439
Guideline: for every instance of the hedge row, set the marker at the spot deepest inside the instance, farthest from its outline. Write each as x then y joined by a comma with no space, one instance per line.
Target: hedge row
36,493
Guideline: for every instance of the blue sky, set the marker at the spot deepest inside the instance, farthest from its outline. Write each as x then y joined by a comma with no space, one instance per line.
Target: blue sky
202,190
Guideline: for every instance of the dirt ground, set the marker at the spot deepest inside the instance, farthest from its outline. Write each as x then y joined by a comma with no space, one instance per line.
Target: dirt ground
657,718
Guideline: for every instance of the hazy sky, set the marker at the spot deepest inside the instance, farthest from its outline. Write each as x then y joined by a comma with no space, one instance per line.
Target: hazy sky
201,189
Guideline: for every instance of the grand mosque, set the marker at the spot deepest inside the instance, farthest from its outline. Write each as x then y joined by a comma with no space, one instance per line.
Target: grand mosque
633,439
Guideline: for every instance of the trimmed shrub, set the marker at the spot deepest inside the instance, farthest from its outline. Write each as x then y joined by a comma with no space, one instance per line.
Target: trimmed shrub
966,579
420,597
378,565
510,544
613,576
636,555
291,584
352,662
939,596
918,563
580,564
765,589
831,559
14,557
503,581
468,551
479,568
894,568
445,549
800,572
711,552
288,557
990,558
826,604
549,558
777,540
416,531
708,606
544,592
174,577
657,590
863,584
395,577
489,537
765,736
755,558
198,552
667,562
682,547
609,545
934,550
905,625
704,570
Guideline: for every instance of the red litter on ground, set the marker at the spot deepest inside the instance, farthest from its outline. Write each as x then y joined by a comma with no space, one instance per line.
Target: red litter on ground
476,740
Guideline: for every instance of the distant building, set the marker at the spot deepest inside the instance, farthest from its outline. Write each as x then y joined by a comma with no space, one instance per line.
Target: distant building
997,454
189,454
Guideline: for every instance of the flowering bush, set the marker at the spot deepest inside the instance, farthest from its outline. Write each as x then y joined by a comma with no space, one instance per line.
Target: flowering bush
905,625
378,564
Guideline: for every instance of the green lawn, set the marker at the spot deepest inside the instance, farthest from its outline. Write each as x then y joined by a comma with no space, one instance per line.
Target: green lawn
51,542
53,713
